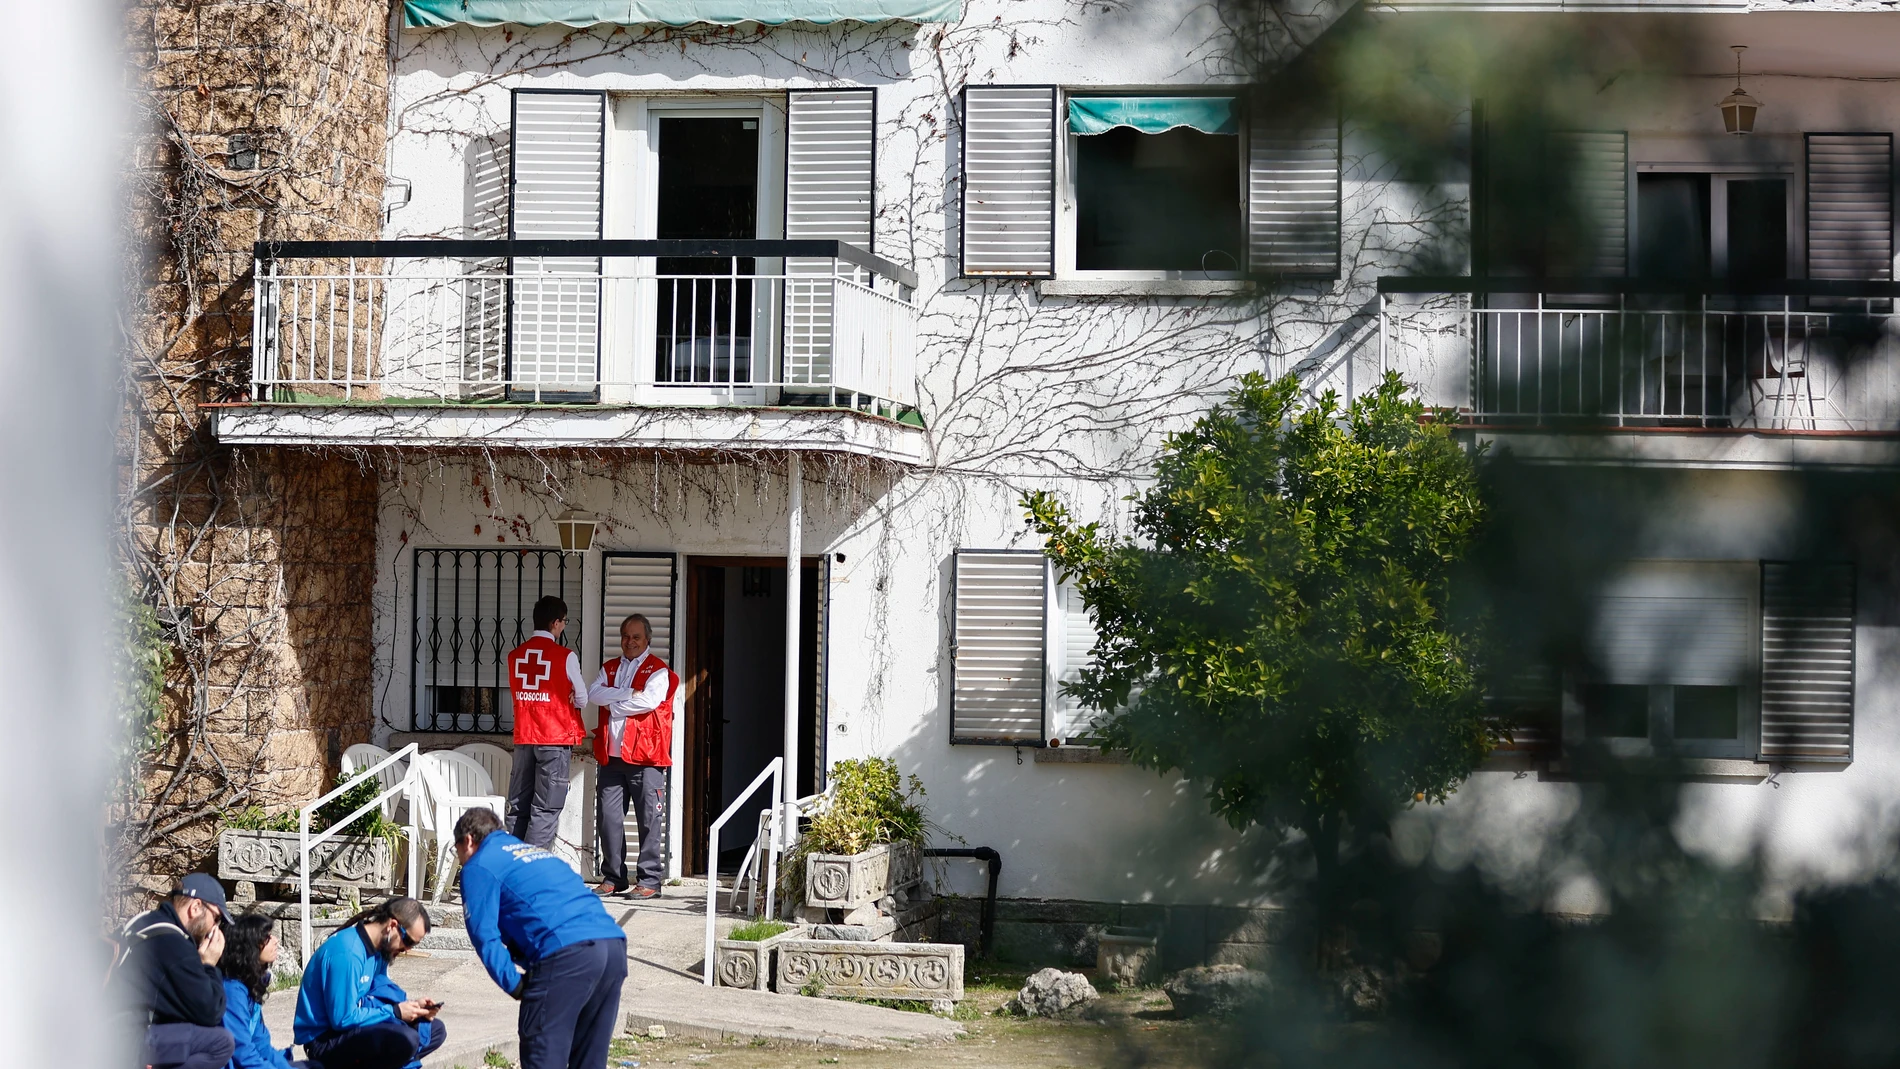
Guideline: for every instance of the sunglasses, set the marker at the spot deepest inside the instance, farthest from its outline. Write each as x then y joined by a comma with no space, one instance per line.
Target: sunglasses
408,941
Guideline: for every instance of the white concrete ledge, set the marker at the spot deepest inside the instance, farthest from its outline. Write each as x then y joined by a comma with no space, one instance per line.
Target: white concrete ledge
805,430
1158,287
1715,449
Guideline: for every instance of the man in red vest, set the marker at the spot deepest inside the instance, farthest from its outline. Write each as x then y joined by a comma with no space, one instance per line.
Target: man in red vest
633,743
545,678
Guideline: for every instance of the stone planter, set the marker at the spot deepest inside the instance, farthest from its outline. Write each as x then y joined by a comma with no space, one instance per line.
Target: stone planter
847,881
748,963
1129,956
360,861
932,971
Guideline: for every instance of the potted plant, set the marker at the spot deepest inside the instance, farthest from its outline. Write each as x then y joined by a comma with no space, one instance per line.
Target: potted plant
744,957
864,843
258,847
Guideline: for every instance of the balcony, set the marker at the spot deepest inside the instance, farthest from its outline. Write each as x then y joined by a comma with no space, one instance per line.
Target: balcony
674,344
1785,360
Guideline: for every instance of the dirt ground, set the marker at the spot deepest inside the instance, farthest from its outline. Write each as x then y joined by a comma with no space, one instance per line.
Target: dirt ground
1126,1028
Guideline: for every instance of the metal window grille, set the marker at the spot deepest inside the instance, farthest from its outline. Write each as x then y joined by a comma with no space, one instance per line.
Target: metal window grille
472,606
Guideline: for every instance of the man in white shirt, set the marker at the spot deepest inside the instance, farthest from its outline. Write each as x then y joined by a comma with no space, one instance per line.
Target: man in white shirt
633,744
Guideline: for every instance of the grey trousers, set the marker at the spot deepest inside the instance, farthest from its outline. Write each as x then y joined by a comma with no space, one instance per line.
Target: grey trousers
617,781
537,789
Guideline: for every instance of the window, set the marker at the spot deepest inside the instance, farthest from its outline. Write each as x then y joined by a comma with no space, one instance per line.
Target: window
1696,225
998,636
1672,661
471,607
1072,642
1155,185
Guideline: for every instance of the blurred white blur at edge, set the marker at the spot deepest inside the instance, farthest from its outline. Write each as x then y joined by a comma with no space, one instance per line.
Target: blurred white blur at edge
62,120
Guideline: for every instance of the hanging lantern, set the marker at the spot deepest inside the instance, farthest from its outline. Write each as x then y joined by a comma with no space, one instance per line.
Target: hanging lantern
1738,108
577,531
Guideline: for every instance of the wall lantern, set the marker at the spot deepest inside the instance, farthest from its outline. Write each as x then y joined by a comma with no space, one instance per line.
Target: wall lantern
1738,108
577,531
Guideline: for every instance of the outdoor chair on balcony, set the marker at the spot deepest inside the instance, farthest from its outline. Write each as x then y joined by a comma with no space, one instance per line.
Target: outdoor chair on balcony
497,762
362,756
451,784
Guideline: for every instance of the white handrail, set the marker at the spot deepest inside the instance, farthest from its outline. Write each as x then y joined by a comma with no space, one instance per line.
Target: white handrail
305,842
771,771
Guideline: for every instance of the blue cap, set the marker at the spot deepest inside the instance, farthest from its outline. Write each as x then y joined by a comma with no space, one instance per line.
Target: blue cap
202,887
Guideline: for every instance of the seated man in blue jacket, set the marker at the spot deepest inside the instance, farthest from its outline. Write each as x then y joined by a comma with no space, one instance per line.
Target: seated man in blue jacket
350,1014
525,905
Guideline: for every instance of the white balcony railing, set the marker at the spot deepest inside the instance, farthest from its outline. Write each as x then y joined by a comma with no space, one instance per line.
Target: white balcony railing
1795,355
616,322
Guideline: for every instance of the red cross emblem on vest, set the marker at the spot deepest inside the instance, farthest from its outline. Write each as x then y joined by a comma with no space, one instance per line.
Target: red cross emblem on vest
533,670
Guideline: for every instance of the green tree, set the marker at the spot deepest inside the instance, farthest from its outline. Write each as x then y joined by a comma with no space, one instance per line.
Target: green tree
1282,628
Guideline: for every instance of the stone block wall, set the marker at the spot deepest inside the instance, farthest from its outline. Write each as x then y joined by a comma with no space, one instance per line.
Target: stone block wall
256,119
1037,932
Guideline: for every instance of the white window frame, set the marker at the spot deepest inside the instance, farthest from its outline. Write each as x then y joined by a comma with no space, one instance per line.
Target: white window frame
1067,213
1730,576
1720,173
631,211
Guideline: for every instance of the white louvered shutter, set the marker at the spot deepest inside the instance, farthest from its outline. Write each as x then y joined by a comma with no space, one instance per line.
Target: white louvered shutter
1074,644
829,176
1807,662
642,583
997,647
1292,196
1687,623
557,155
485,299
1850,206
1597,165
1009,180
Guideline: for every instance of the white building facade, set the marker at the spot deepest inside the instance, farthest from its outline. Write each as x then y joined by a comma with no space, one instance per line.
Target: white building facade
837,286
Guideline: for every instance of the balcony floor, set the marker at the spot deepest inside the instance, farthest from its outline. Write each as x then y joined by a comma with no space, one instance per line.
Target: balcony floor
689,429
1718,449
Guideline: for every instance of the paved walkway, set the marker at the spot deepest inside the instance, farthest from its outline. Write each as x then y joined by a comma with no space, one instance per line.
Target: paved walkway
665,947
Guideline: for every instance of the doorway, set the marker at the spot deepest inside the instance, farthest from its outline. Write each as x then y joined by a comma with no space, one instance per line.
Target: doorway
708,179
735,715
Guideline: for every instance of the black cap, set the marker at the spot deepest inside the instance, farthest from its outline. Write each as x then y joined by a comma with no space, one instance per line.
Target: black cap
205,889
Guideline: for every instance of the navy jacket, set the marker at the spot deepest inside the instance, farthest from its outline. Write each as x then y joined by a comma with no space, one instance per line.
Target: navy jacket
161,974
244,1019
523,904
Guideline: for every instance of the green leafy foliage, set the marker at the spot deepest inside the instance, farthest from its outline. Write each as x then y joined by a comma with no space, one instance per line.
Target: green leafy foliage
140,657
362,788
758,931
1283,627
870,804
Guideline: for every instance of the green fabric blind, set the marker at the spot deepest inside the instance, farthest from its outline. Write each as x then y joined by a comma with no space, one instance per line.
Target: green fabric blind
425,13
1152,115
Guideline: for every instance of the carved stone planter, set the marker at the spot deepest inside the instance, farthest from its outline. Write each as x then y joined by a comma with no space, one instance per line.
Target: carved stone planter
847,881
271,857
748,963
932,971
1129,956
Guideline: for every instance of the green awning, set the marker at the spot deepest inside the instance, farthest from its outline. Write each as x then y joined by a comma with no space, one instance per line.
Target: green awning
1152,115
424,13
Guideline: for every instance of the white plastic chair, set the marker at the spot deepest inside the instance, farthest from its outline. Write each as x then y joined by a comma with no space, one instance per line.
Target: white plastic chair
451,784
362,756
497,762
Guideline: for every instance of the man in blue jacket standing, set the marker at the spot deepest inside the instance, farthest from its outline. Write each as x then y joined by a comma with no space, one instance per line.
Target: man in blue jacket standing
350,1014
526,906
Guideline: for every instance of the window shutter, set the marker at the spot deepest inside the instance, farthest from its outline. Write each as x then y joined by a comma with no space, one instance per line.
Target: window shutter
1807,662
1690,623
485,298
830,175
996,647
557,156
1597,164
642,583
1074,644
1009,180
1850,206
1293,195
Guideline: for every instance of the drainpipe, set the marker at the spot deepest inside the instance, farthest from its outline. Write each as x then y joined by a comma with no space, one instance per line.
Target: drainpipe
794,560
987,926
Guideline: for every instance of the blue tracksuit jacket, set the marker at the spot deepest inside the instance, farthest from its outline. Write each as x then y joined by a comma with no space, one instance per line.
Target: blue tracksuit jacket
244,1019
346,985
523,904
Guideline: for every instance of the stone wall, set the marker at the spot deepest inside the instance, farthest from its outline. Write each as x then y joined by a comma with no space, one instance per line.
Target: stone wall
256,119
1064,932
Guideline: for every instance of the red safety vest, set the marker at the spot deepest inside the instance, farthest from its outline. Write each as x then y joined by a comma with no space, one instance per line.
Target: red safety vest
544,696
646,739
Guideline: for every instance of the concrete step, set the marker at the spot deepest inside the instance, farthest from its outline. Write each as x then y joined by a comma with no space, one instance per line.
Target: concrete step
718,1014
